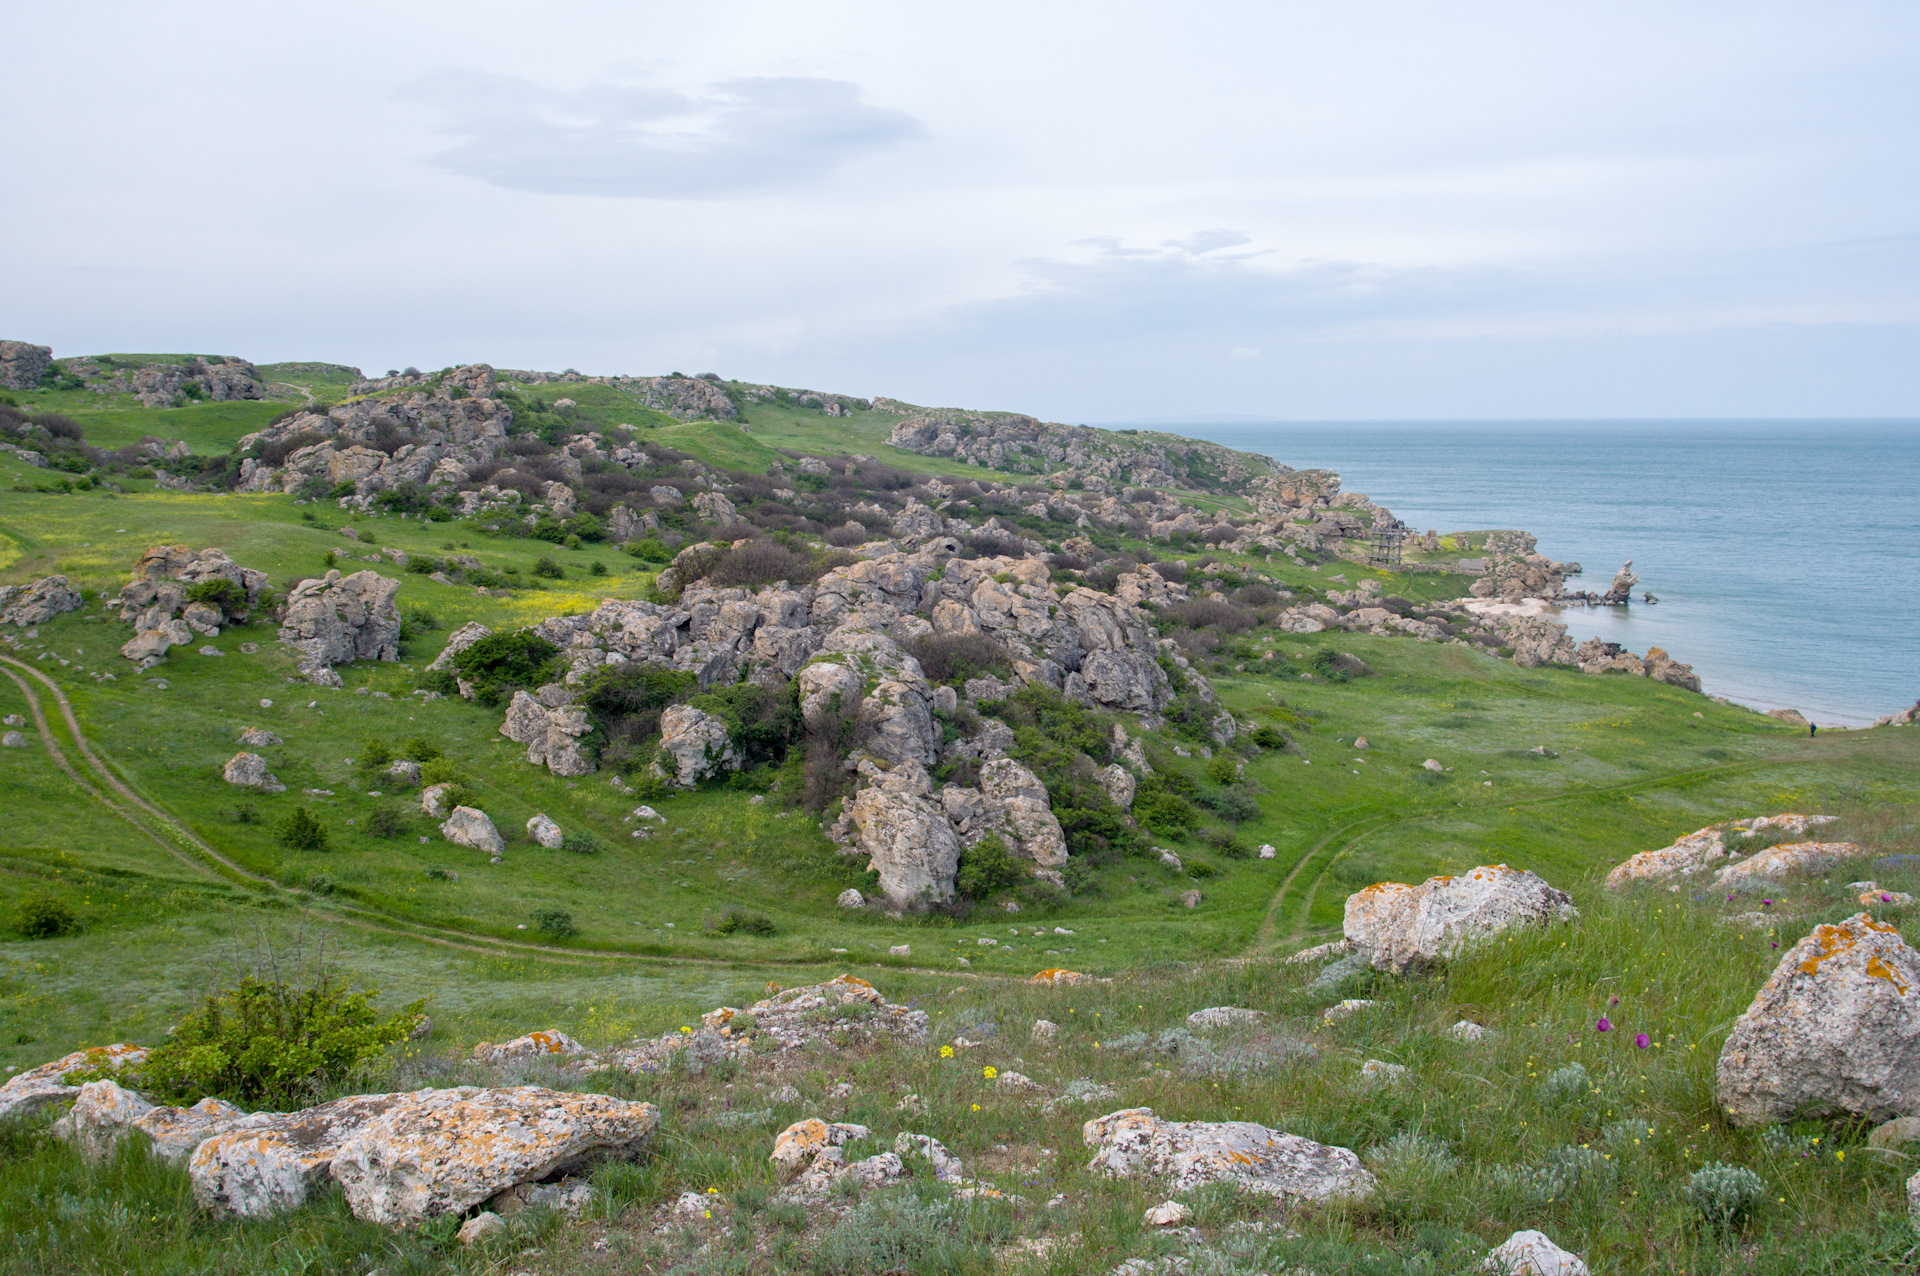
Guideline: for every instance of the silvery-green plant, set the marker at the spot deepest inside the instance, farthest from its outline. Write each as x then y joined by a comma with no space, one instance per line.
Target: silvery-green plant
1412,1152
1570,1082
1724,1193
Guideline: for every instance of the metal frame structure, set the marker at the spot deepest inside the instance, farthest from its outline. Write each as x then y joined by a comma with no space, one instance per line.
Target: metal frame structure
1383,548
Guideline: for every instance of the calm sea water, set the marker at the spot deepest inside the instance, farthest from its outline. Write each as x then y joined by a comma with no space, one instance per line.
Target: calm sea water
1785,554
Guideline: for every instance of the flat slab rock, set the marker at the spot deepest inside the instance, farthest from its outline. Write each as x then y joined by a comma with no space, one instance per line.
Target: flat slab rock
266,1167
1187,1154
438,1152
1835,1029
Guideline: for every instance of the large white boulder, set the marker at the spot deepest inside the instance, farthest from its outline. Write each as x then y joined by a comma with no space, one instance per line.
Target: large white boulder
1412,927
1532,1254
264,1168
693,746
1027,810
549,1043
1834,1030
1252,1157
47,1083
907,837
544,831
249,771
466,826
441,1152
337,619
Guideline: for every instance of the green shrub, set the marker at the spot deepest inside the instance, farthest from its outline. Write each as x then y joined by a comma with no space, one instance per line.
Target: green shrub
387,821
548,566
581,842
649,550
1162,810
897,1231
1223,768
440,770
555,922
419,749
988,866
1268,736
951,659
219,592
421,618
43,917
500,663
302,831
1233,803
268,1044
375,753
245,813
736,922
596,568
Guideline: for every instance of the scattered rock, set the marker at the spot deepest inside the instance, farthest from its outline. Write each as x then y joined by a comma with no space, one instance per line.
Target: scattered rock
337,619
947,1167
1321,952
440,1152
1835,1030
433,800
1433,764
259,738
1412,927
900,950
545,832
1266,851
1167,1214
29,605
482,1227
551,1043
1224,1017
1380,1072
46,1084
1254,1158
1467,1032
693,746
1344,1009
466,826
1190,899
1796,858
1895,1133
13,740
1532,1254
1044,1030
249,771
851,898
800,1142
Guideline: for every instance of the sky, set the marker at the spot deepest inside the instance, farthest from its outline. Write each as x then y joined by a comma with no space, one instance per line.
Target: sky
1101,211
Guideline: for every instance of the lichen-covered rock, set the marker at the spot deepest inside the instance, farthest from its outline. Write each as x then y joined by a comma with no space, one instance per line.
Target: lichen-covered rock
105,1112
433,800
1705,848
551,1043
259,738
551,732
249,771
35,604
792,1017
851,898
1412,927
1021,798
1834,1030
441,1152
800,1142
545,832
1188,1154
22,364
1768,867
458,641
466,826
266,1168
1119,784
693,746
337,619
1531,1254
1224,1017
47,1083
907,837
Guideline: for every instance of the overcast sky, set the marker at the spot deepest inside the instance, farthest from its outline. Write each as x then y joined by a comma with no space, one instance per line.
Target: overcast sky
1089,211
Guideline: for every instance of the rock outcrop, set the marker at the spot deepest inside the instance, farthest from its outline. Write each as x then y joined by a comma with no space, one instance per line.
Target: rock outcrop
22,364
105,1113
906,836
435,1153
694,745
272,1165
1253,1158
157,598
1716,846
1407,928
35,604
1834,1031
550,725
1768,868
336,620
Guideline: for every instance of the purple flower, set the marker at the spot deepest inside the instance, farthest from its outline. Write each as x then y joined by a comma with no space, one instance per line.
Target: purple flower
1640,1039
1885,898
1613,1001
1766,903
1776,943
1603,1025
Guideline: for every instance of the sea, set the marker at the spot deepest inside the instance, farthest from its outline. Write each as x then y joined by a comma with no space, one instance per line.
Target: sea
1785,554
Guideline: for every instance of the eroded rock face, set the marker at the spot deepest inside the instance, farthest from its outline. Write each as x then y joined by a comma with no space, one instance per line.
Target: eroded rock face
1834,1030
271,1166
46,1084
693,746
35,604
1707,848
22,364
1188,1154
1021,799
907,837
439,1152
1412,927
336,620
550,1043
551,732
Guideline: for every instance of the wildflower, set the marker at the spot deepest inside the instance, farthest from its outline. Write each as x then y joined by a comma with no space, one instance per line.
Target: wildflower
1640,1039
989,1072
976,1107
686,1029
1885,898
1603,1025
946,1052
1613,1000
1839,1156
1766,903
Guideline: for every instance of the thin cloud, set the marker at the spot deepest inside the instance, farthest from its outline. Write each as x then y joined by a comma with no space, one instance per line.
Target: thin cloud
728,139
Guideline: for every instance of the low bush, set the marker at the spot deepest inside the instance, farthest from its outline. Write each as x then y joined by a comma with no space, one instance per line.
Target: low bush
988,866
387,821
951,659
555,923
736,922
302,831
581,842
501,663
43,917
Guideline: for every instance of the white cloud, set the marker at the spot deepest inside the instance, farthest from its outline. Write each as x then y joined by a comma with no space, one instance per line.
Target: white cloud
729,138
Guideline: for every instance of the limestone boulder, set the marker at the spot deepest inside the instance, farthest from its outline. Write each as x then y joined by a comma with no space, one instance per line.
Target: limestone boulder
1119,785
1835,1030
336,620
458,641
249,771
435,1153
467,826
1767,868
259,738
1408,928
38,1087
693,746
272,1166
1254,1158
1531,1254
105,1113
1224,1017
551,731
22,364
1021,798
906,836
551,1043
35,604
433,800
800,1142
545,832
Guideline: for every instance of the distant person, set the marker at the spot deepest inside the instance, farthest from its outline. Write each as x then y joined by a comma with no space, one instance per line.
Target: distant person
1812,730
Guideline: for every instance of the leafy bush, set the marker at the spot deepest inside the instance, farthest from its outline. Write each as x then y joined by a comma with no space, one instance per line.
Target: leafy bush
302,831
581,842
1268,736
951,659
1339,666
649,550
549,567
1226,843
734,921
219,592
556,923
387,821
419,749
268,1044
1724,1194
375,753
625,702
1162,810
500,663
439,770
1223,768
1232,803
421,618
43,917
988,866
